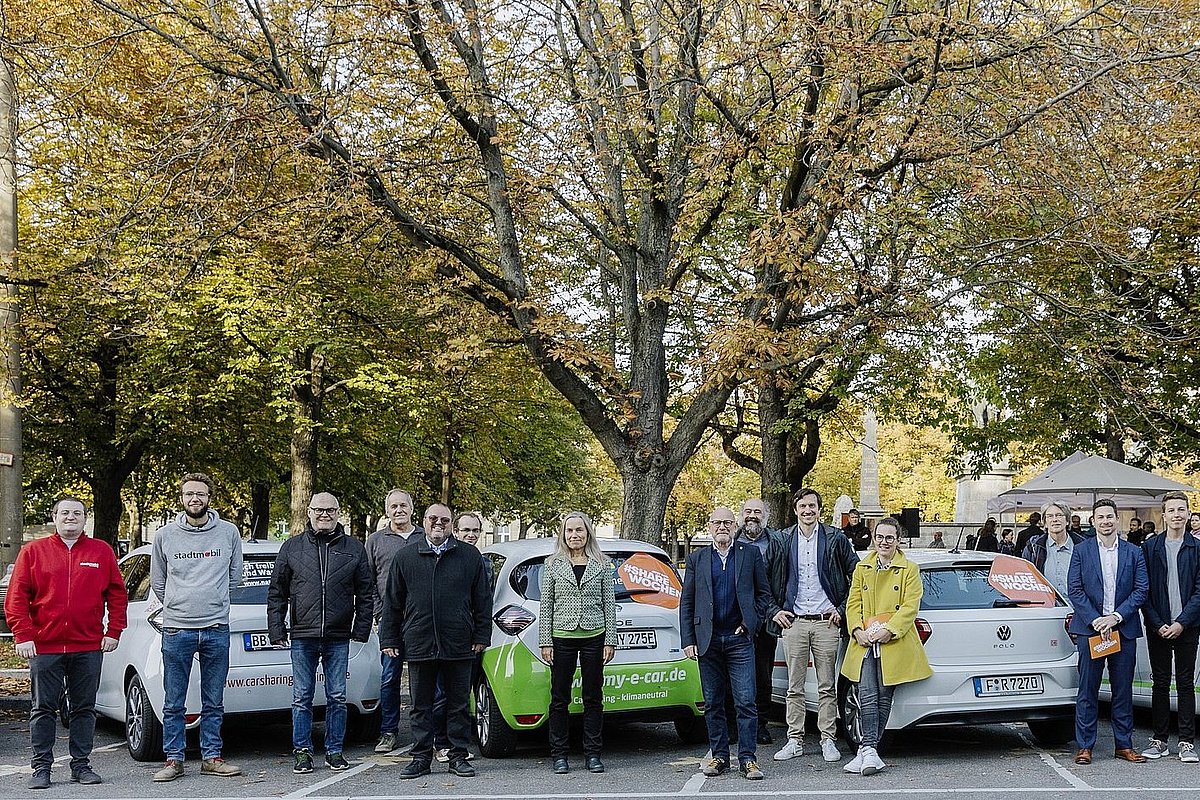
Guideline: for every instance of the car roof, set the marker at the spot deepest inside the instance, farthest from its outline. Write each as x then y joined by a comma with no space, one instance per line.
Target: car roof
249,547
544,546
936,557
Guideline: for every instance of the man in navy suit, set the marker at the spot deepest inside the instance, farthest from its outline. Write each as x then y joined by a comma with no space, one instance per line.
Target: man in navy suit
725,597
1107,584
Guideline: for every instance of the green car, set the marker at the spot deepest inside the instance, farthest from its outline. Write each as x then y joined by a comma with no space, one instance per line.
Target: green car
650,679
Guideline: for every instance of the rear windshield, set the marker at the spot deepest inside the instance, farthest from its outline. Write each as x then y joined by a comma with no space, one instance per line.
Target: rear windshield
637,578
964,587
256,576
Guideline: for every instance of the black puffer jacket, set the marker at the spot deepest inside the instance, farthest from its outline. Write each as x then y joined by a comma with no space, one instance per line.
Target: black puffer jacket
325,582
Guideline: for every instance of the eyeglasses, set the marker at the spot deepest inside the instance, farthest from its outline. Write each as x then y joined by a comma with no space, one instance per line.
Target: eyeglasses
885,539
721,523
195,494
442,521
323,512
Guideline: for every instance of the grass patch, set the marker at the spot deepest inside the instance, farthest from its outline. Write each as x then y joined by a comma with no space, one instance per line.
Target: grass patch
8,656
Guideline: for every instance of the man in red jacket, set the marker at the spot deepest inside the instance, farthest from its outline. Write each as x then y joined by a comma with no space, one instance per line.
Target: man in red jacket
57,597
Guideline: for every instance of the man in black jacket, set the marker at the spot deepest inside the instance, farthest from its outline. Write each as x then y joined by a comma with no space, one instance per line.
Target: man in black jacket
323,576
773,548
437,612
1172,614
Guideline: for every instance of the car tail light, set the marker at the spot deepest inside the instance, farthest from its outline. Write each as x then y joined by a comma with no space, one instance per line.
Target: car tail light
155,620
528,719
924,629
188,719
514,619
1067,622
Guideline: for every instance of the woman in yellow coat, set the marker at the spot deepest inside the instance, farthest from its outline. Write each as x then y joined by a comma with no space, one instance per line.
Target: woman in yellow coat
884,650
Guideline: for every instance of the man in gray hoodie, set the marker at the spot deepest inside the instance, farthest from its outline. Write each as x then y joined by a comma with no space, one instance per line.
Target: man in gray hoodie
196,563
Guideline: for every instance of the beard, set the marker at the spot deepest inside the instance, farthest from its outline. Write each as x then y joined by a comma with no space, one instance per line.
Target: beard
752,528
201,514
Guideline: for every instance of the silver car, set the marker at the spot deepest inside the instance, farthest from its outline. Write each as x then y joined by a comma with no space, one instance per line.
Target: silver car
994,659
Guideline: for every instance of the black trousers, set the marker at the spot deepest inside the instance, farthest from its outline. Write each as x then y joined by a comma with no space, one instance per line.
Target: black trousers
455,677
1183,652
51,675
589,655
764,665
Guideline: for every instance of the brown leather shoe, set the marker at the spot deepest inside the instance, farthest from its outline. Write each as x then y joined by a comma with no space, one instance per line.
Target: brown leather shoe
1129,754
1084,756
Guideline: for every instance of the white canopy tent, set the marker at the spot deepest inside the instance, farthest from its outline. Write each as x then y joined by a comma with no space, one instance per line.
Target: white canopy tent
1080,480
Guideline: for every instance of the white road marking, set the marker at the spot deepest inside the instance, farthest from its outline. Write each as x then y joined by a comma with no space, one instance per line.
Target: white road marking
25,769
693,784
1050,761
341,776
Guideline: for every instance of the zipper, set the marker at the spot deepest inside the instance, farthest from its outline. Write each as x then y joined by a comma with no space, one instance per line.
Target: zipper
323,561
437,645
70,581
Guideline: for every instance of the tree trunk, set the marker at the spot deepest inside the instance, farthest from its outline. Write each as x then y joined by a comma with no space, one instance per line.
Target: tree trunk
358,526
107,507
260,511
775,489
644,506
307,394
449,447
133,507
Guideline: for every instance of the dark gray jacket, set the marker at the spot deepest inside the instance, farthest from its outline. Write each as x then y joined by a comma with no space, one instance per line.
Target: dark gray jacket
325,582
437,606
836,561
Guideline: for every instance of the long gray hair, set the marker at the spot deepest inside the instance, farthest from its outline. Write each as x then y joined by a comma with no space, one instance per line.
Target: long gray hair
592,548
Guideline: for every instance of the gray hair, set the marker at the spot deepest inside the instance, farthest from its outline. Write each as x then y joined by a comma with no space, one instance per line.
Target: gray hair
1065,509
592,548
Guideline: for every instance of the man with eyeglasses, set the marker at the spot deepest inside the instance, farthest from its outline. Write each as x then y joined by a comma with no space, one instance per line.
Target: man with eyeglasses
382,546
814,585
725,596
323,578
438,611
195,564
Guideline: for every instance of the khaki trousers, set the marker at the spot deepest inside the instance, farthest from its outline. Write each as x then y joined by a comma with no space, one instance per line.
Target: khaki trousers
818,641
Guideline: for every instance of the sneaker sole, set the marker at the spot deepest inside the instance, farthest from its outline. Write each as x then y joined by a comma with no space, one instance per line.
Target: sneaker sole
789,757
301,771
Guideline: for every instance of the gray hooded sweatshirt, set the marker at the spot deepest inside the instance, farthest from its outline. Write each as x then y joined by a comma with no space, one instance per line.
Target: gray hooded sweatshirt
193,569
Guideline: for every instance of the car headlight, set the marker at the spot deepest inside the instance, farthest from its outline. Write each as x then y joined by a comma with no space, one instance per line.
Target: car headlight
513,619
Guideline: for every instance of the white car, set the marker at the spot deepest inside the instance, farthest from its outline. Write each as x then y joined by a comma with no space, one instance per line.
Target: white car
649,678
994,659
260,675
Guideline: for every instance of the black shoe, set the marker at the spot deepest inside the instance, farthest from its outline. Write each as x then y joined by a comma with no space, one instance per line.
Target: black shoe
302,762
561,767
765,737
462,768
415,769
40,779
336,762
85,775
594,764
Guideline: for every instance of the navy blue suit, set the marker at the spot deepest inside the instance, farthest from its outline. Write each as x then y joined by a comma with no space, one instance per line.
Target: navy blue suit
726,659
1085,587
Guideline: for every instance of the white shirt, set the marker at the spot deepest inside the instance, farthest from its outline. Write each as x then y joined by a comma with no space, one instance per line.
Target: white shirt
810,597
1108,568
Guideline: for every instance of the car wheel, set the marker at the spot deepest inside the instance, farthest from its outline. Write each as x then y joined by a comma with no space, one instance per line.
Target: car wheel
143,731
691,730
364,727
1052,732
851,715
496,738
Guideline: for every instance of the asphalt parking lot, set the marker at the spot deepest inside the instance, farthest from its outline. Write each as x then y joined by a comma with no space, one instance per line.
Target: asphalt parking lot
644,761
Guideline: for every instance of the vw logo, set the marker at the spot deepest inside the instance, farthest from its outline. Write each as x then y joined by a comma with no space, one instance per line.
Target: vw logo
1003,633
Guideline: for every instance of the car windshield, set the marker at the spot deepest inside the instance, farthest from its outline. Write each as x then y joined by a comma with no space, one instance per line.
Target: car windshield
637,578
959,587
256,576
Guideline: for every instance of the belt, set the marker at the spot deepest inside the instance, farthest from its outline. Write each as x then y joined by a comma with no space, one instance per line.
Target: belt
816,617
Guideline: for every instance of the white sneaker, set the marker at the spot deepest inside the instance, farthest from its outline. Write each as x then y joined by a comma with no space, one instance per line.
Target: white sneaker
871,762
792,749
1156,749
829,751
855,764
1187,753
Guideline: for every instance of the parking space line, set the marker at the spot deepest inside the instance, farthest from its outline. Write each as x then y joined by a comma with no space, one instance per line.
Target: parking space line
1050,761
341,776
693,784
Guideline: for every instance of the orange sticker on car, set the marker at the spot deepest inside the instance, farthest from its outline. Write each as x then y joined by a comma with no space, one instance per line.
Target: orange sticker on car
1018,580
650,581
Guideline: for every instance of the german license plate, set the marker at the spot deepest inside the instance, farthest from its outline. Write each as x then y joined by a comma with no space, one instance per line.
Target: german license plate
260,641
637,640
1002,685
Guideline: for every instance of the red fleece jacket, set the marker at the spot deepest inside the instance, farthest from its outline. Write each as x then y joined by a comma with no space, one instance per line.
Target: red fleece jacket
57,595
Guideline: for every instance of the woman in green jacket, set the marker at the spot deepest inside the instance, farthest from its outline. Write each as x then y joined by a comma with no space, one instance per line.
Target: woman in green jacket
577,625
884,650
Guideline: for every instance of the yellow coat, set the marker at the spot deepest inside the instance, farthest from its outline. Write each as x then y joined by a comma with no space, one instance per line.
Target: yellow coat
896,591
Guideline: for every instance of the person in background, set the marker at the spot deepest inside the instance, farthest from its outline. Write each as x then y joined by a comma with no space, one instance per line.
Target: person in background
1034,528
885,649
1194,524
1007,546
1148,530
1172,615
725,595
987,541
1051,551
938,542
62,588
577,626
195,564
772,546
321,596
856,530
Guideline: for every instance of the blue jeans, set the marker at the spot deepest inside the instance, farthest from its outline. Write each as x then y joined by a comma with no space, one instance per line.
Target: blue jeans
179,647
874,701
729,657
334,655
389,694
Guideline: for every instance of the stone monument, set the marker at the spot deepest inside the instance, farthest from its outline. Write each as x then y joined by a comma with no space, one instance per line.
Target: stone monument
868,480
972,493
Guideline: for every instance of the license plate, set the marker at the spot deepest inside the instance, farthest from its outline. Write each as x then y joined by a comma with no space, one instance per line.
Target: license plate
637,640
260,641
1002,685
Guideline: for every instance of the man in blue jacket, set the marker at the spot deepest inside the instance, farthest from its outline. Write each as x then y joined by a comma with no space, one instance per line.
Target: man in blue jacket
1107,584
1172,614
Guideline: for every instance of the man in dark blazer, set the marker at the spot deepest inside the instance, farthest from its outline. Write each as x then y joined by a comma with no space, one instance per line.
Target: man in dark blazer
1107,584
725,597
1172,613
